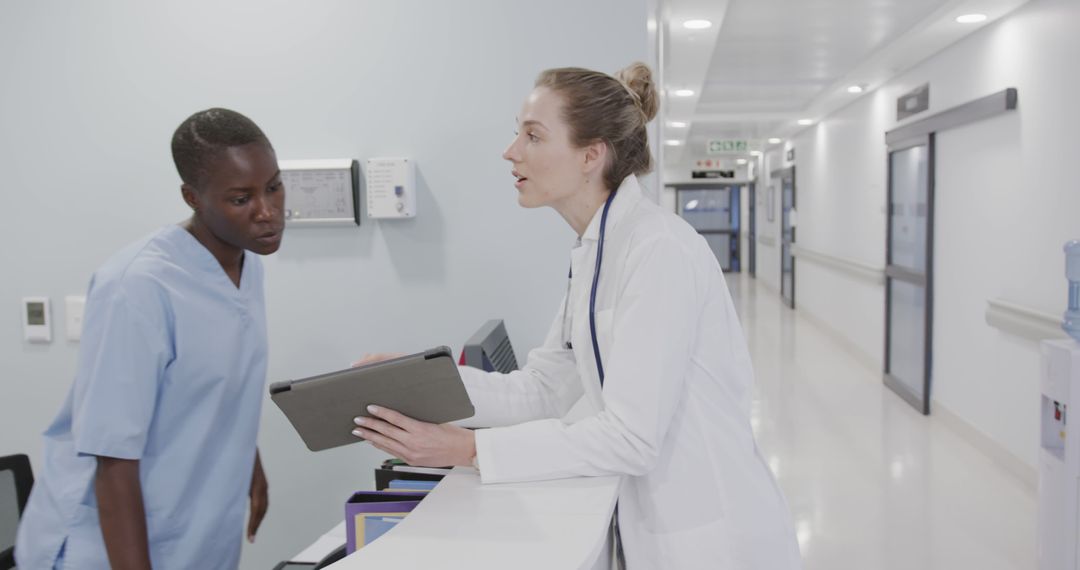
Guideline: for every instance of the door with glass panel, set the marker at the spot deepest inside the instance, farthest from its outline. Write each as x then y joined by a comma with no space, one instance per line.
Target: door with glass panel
909,270
751,239
714,212
787,235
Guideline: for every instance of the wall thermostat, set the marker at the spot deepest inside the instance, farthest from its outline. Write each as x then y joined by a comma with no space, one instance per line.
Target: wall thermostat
321,192
37,319
391,188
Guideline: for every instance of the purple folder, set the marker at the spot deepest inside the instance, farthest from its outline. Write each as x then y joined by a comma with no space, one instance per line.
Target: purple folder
376,502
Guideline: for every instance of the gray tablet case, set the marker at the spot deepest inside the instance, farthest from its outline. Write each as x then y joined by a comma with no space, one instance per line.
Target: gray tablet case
425,386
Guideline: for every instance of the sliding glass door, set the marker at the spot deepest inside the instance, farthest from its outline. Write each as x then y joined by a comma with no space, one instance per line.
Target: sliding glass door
909,271
713,210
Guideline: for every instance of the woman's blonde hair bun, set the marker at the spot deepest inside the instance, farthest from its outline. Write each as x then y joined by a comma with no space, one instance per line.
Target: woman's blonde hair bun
638,79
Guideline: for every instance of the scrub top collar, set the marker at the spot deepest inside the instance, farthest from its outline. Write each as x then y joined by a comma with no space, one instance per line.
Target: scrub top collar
206,260
626,196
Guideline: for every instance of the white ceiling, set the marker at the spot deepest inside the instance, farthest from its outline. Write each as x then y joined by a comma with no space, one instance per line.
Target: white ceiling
765,64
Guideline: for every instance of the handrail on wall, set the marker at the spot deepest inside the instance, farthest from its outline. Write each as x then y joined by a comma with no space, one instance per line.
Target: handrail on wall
855,268
1006,316
1022,321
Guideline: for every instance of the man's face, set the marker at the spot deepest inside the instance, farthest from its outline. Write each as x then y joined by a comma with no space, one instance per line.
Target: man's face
241,199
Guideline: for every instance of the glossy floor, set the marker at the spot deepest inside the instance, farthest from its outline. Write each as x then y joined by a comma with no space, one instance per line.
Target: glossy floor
872,484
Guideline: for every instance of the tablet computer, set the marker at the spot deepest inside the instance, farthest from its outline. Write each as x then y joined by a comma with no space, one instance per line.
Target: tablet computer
425,386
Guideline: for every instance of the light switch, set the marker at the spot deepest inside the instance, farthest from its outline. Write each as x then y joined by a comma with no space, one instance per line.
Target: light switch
75,307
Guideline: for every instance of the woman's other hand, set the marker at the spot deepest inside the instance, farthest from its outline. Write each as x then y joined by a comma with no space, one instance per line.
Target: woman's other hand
377,357
417,443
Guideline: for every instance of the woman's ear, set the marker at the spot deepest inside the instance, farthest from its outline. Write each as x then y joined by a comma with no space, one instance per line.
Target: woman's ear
595,158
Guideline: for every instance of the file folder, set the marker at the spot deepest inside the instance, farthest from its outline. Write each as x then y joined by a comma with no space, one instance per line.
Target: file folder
375,503
376,526
391,470
405,485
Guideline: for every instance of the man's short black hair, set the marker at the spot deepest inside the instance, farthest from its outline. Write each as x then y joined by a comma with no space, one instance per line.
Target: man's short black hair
201,136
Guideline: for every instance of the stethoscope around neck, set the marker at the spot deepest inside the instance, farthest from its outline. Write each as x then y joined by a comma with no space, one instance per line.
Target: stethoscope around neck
592,294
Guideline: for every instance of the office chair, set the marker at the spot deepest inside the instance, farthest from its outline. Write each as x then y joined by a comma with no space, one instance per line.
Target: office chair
16,479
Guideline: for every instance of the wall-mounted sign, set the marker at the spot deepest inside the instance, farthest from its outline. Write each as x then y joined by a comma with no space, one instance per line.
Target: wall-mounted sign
791,155
912,102
712,174
719,146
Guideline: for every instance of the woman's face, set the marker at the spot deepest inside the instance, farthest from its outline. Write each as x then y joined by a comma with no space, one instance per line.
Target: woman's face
547,167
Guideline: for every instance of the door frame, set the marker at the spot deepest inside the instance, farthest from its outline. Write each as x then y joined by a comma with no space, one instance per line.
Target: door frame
781,174
751,242
906,275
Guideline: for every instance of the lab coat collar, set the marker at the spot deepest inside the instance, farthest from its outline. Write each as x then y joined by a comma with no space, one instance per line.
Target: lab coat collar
627,195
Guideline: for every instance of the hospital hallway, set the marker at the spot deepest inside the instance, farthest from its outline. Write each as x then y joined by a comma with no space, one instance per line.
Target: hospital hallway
872,483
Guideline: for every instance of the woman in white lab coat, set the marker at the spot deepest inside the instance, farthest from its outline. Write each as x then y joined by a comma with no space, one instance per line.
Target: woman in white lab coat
650,345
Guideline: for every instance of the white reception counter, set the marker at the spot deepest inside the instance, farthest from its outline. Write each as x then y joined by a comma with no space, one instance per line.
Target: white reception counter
562,524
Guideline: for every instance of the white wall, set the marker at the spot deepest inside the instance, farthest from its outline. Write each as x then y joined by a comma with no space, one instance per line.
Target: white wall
840,185
92,92
1005,203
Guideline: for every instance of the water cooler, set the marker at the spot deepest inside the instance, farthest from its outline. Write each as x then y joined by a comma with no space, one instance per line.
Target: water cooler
1059,453
1059,458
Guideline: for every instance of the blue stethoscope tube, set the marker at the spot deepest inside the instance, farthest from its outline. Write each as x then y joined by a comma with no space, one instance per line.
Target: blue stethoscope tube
595,283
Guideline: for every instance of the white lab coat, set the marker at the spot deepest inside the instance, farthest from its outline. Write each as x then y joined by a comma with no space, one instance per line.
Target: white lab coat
673,416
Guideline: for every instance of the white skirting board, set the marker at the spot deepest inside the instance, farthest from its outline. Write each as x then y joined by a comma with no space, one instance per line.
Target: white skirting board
1027,474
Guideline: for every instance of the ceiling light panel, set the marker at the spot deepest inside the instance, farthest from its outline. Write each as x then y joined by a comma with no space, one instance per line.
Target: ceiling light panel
697,24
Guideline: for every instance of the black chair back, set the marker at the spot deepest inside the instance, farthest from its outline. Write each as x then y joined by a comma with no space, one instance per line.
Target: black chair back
16,479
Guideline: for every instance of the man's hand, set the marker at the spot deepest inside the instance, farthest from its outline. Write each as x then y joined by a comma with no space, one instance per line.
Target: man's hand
417,443
260,498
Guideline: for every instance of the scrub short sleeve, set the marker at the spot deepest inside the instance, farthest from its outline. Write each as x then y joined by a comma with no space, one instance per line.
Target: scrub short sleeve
126,347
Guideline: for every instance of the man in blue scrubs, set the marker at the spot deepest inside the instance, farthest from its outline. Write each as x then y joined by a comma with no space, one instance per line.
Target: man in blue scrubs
152,460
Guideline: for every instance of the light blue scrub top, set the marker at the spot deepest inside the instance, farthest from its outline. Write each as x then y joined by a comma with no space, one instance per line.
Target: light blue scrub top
171,372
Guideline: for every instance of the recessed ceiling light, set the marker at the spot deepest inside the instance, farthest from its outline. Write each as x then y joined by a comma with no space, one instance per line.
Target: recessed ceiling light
677,124
775,141
741,161
673,142
805,122
855,89
684,92
755,153
971,18
697,24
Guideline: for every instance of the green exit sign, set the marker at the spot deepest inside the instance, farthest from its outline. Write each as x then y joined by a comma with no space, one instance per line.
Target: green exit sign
727,145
